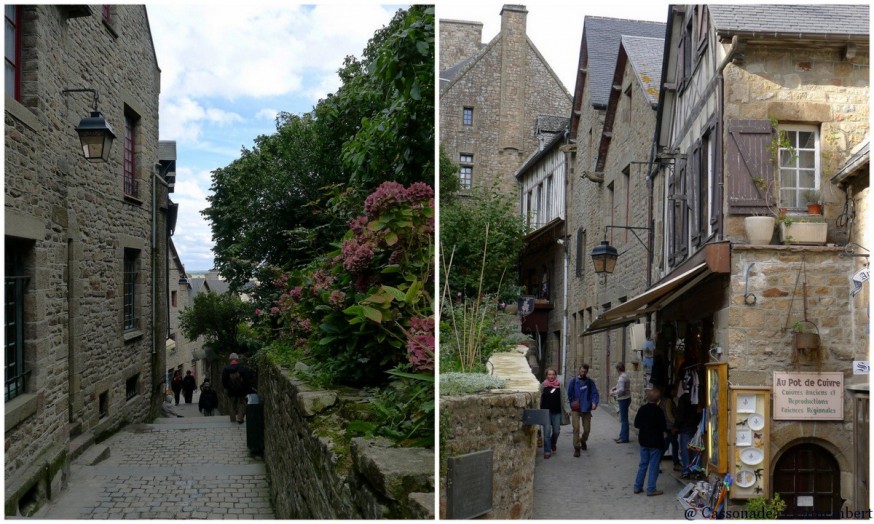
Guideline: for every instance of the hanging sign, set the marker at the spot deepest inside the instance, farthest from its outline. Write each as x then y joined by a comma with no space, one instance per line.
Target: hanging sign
861,367
859,278
808,396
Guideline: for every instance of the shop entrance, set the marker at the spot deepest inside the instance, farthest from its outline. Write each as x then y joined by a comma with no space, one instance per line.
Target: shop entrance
807,477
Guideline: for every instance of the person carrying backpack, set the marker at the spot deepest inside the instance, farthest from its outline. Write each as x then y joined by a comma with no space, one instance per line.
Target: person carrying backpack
236,379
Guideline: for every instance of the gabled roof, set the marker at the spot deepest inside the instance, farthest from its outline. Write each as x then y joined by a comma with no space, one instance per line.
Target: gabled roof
551,124
789,19
645,55
554,142
602,36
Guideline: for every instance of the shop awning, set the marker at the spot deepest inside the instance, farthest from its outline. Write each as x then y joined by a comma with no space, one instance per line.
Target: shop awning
649,301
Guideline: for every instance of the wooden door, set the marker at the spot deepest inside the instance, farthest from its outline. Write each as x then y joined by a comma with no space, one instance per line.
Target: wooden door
807,477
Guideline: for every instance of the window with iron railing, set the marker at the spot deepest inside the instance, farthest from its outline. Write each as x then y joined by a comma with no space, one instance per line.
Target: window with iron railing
13,51
131,184
16,287
131,263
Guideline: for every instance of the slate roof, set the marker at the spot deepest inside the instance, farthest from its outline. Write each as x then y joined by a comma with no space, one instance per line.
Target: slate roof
602,44
551,124
831,19
645,55
448,74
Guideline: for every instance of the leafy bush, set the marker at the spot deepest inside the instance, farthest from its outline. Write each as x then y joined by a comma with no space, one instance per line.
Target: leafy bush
458,384
759,508
366,307
481,237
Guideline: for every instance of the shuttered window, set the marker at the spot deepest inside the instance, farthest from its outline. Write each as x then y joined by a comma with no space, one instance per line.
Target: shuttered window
749,171
678,215
799,164
581,251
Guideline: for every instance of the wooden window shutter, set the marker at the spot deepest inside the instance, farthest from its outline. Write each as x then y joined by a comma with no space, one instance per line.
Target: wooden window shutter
678,215
703,26
747,159
694,195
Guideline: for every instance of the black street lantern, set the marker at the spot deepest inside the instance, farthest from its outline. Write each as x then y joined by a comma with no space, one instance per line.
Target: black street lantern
96,137
604,257
94,133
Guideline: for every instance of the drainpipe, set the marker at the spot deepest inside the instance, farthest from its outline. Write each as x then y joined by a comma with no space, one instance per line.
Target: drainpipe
720,114
566,285
154,257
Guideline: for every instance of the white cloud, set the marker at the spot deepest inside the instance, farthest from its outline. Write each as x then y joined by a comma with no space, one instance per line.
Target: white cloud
267,114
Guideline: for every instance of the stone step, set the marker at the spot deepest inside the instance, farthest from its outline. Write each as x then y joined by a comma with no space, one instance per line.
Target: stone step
421,505
79,444
94,455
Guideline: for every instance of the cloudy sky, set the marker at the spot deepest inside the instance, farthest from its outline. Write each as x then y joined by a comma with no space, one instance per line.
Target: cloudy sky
226,71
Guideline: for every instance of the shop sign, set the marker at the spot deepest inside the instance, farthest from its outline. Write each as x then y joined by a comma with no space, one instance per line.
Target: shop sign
808,396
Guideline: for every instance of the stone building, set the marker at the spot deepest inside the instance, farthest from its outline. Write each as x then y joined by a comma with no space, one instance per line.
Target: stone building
491,97
758,105
182,354
85,242
611,130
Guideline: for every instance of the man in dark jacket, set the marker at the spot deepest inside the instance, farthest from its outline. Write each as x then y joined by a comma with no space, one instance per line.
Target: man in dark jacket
650,422
188,386
237,381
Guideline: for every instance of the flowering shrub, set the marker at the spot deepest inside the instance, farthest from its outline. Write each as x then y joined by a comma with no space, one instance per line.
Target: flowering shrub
366,307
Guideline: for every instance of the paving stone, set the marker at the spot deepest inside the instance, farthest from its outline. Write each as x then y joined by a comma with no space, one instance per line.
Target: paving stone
607,471
175,469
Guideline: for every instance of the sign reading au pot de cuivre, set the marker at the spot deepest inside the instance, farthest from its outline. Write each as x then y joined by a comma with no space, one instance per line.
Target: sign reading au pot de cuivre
808,396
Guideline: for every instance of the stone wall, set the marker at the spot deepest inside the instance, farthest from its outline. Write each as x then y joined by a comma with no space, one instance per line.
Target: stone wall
506,99
493,420
459,39
317,473
759,342
72,222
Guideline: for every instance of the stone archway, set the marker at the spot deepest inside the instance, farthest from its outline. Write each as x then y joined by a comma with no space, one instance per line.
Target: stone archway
807,476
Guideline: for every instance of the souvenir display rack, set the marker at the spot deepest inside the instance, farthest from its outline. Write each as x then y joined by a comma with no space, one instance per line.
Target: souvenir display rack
749,439
717,417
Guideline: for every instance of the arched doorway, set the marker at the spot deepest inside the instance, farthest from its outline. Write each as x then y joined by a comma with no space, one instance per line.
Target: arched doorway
808,478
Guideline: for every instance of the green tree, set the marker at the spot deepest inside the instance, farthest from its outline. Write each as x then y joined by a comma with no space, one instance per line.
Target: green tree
284,200
449,182
216,317
463,237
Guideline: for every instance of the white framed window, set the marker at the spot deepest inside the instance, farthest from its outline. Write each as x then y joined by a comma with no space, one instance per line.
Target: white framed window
465,173
467,116
799,164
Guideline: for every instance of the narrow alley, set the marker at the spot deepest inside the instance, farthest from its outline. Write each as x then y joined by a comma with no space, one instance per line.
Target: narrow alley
193,467
599,484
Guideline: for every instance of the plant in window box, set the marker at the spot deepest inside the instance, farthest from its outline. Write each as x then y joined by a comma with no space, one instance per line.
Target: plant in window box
809,230
814,201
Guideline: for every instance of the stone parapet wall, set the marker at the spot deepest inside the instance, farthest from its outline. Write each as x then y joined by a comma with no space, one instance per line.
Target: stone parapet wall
493,420
315,472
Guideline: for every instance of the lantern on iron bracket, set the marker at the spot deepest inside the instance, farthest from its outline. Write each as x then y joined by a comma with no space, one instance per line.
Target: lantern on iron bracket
94,132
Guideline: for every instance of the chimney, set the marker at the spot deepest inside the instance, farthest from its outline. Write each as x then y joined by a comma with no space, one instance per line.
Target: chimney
514,75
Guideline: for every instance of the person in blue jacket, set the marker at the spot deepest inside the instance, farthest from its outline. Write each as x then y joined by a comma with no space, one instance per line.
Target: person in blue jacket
582,394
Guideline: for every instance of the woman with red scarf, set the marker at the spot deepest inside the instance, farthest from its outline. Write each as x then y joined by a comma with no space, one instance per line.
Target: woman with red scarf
550,398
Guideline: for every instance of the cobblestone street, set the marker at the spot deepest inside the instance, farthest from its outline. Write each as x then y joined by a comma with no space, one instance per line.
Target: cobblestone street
600,483
193,467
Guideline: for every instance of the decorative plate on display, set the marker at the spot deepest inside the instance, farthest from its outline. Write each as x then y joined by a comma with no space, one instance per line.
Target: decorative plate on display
752,456
756,421
745,478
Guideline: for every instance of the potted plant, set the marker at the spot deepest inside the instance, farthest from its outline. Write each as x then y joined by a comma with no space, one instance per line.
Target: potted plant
760,228
814,201
806,336
806,230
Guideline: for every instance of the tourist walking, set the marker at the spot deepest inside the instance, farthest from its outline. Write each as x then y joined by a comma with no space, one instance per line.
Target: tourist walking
208,399
176,385
650,423
582,395
550,399
237,381
622,393
188,386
